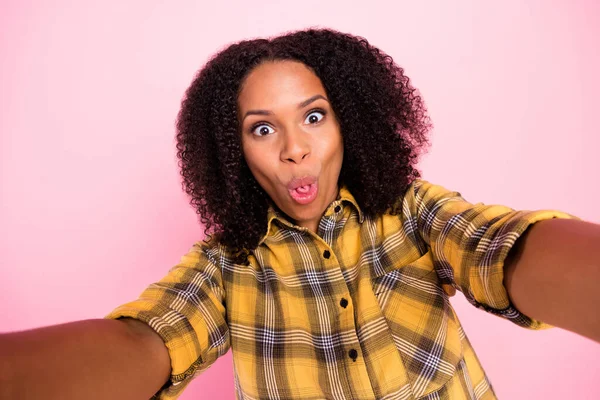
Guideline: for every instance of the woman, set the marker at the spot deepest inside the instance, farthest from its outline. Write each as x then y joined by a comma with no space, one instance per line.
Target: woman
330,262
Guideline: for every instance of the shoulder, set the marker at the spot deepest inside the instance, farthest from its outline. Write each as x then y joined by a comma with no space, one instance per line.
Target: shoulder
421,196
213,249
407,196
422,191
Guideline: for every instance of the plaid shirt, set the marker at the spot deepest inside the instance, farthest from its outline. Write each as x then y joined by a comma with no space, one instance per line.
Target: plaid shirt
359,311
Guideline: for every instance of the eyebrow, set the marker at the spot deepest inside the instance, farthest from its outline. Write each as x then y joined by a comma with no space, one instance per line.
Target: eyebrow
301,105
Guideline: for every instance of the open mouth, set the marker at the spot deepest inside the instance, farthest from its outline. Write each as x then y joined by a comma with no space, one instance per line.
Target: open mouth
304,194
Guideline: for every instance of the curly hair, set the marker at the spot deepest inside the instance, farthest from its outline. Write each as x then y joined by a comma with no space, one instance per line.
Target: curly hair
383,121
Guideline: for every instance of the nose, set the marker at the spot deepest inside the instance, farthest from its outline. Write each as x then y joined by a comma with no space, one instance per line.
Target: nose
295,147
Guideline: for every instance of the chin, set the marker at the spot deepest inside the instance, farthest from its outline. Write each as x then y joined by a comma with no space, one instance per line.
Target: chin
310,213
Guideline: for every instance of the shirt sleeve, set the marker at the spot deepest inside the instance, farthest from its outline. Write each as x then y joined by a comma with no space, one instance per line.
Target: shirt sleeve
186,308
469,243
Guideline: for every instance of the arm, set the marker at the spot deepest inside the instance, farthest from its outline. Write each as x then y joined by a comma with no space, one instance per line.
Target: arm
92,359
470,244
552,274
154,345
186,309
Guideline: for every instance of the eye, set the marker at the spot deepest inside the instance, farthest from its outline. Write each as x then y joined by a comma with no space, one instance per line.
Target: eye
262,130
315,117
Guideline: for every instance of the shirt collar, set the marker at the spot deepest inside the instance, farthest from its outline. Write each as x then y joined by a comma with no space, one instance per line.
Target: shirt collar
273,213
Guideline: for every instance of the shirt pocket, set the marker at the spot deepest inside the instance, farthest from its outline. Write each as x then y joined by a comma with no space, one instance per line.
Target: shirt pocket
422,323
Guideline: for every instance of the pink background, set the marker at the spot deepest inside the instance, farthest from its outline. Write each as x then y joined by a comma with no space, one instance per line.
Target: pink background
91,205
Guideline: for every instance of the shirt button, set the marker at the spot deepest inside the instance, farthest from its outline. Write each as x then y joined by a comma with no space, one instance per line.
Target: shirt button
337,209
344,303
326,254
353,354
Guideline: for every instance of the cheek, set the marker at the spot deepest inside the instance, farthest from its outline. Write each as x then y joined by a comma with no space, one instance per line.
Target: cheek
250,154
335,147
259,163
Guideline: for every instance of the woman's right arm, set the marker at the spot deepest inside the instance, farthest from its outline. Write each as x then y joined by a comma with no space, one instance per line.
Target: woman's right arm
91,359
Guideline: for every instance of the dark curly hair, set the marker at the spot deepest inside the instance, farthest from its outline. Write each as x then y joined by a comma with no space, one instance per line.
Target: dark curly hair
382,118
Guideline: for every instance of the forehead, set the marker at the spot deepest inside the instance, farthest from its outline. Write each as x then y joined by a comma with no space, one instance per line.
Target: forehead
277,83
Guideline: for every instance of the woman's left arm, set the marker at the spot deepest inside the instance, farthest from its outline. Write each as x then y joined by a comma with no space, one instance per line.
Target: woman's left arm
552,274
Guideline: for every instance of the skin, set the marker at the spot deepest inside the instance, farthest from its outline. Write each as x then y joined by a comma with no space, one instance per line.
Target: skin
91,359
552,275
289,130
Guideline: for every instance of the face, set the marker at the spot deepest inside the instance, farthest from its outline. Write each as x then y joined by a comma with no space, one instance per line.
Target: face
291,139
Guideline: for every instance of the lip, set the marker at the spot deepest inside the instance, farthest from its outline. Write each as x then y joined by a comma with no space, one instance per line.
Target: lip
307,196
303,197
304,181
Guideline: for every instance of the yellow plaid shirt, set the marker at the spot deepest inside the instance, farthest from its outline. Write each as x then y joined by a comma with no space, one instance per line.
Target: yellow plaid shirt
359,311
